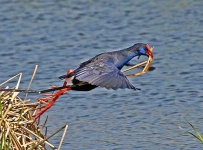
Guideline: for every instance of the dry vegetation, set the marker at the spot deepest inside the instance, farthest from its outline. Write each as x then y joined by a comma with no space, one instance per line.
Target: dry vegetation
17,130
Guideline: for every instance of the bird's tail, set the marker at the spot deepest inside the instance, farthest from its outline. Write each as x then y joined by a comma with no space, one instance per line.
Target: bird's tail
64,76
68,75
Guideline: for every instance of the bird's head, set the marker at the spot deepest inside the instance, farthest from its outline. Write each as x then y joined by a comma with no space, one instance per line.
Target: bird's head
144,49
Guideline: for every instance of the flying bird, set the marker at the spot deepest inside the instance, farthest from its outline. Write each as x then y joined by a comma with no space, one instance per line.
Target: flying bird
104,70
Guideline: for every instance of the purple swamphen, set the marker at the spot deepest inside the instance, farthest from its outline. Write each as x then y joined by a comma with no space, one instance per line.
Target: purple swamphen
104,70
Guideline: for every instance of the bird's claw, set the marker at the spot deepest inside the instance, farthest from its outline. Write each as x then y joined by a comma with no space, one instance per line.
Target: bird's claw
50,99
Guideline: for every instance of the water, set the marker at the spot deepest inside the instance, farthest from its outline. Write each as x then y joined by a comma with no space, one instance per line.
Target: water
58,35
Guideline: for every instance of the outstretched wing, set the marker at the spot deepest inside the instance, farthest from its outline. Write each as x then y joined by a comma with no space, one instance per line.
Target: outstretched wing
103,74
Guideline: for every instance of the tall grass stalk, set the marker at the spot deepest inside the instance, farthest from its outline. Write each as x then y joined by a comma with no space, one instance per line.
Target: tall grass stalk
197,135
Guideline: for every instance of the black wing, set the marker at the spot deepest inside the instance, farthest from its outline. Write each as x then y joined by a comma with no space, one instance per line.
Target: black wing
104,74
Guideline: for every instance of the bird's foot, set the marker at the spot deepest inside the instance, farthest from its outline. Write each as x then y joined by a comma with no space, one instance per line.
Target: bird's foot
48,102
49,99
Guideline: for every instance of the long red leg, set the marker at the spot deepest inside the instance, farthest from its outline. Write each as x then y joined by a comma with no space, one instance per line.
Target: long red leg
52,98
50,104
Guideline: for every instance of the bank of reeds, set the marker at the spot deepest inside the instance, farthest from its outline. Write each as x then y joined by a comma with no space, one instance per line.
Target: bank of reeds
17,130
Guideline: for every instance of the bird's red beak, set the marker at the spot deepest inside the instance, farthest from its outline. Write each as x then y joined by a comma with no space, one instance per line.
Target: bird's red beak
149,51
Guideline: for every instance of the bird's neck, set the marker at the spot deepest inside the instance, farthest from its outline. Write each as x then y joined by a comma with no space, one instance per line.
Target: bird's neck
129,53
126,56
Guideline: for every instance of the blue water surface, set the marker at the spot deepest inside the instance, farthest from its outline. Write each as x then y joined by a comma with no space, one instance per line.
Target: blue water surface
58,35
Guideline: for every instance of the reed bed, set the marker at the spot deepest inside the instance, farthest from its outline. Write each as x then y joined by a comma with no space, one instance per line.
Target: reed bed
17,130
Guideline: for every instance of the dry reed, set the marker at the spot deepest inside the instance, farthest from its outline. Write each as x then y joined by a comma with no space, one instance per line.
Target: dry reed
17,130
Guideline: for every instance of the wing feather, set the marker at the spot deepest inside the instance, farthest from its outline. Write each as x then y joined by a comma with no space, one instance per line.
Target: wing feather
104,74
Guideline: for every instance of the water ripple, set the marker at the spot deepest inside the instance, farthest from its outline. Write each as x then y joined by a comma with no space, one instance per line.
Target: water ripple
58,35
